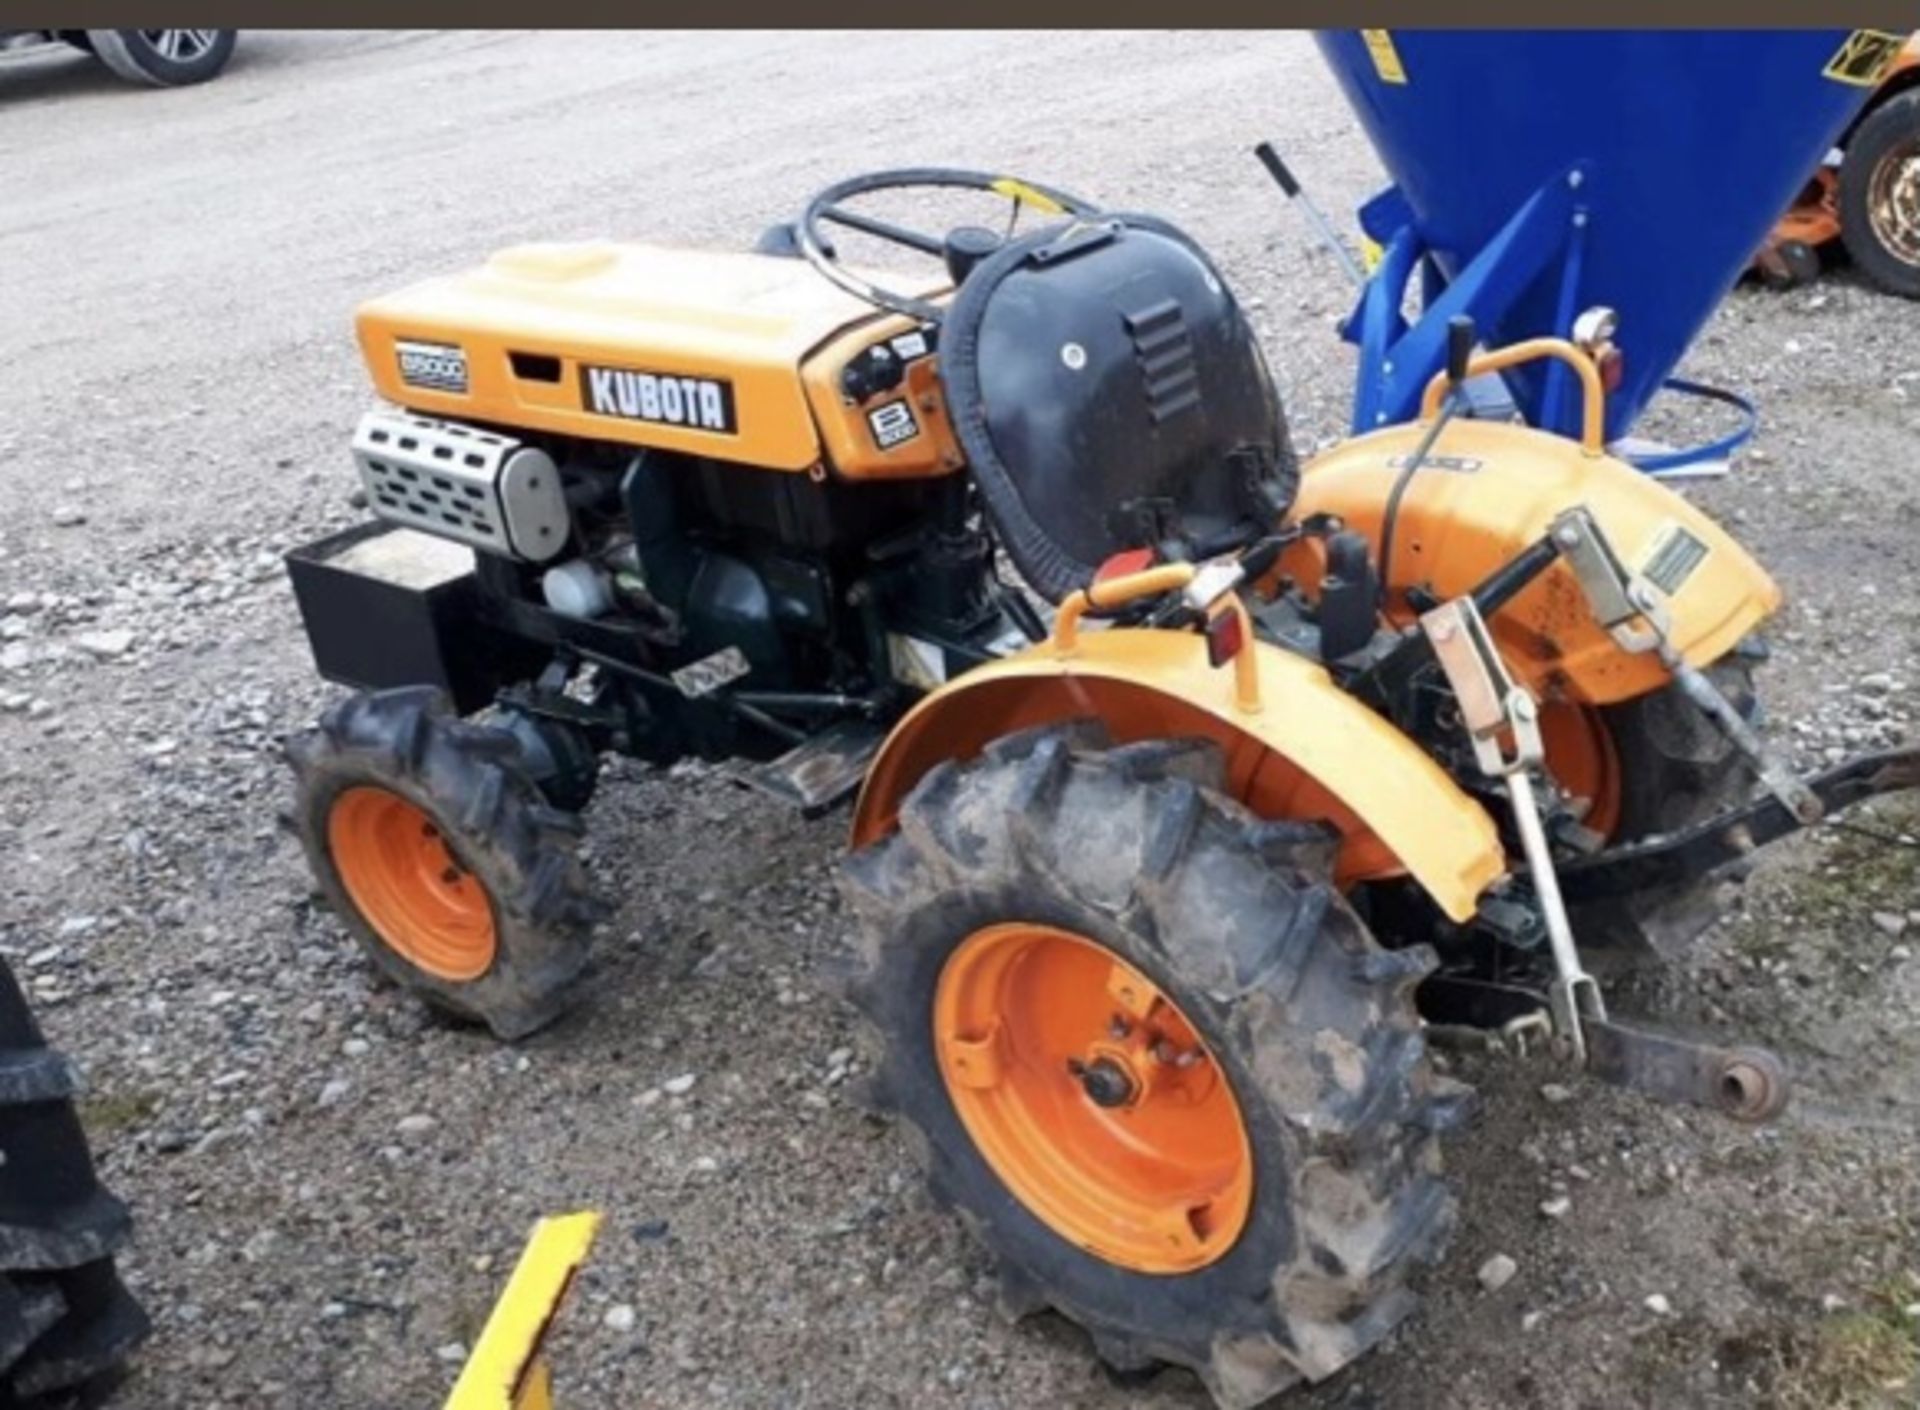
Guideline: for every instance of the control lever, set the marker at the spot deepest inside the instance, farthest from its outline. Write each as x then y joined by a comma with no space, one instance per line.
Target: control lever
1347,596
1295,193
1503,722
1459,349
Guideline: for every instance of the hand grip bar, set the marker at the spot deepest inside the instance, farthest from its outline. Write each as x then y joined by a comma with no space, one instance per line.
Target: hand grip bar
1168,577
1114,592
1593,394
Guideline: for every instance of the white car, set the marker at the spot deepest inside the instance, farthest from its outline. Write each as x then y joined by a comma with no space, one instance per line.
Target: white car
165,58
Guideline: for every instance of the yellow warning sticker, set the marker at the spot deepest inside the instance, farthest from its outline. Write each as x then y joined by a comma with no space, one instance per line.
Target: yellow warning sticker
1386,59
1864,59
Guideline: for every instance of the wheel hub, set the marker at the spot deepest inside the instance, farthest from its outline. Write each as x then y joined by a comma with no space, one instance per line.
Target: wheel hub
1893,202
1583,761
1092,1097
410,885
1106,1083
181,45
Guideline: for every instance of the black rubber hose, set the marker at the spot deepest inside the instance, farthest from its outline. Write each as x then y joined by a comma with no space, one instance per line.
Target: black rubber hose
1392,515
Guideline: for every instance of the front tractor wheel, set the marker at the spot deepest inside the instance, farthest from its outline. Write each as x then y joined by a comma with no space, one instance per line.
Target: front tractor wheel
1153,1058
429,838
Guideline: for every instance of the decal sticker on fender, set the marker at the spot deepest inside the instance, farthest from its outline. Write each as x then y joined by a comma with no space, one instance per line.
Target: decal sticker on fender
662,398
1672,559
1459,464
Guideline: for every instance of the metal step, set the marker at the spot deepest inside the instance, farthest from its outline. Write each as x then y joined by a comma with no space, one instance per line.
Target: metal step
815,775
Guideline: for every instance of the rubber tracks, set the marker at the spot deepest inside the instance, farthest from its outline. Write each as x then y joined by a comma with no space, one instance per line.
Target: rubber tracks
66,1322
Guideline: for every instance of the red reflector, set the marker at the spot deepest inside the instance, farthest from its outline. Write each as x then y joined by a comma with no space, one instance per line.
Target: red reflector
1225,637
1133,560
1613,367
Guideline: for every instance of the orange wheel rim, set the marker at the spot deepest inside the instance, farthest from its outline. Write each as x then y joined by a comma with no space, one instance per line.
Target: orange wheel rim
1092,1098
1581,758
408,884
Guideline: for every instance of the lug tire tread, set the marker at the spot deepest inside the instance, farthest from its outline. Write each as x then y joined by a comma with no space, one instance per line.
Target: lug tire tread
1238,916
470,780
1676,768
66,1321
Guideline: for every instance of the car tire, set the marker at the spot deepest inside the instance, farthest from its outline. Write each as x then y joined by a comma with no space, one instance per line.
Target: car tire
163,58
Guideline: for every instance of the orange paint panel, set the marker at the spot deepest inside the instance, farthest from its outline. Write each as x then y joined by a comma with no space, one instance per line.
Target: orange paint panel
748,320
1493,490
852,450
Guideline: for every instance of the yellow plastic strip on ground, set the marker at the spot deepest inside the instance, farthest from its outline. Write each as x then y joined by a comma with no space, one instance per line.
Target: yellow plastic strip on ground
506,1370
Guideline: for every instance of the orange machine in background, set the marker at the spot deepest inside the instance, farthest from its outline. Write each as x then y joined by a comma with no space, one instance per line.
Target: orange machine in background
1868,199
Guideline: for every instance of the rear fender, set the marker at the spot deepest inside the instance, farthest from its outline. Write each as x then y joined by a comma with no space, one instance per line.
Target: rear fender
1490,490
1308,750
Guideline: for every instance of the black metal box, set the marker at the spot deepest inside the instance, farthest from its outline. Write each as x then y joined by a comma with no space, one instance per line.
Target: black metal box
388,606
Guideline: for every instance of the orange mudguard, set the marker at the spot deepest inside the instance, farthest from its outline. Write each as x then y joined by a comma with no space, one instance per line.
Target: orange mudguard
1296,746
1491,489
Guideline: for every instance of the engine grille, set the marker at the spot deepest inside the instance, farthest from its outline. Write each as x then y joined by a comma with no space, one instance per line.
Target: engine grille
486,490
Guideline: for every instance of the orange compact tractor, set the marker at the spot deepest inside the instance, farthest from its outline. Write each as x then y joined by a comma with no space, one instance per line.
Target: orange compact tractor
1867,195
1193,783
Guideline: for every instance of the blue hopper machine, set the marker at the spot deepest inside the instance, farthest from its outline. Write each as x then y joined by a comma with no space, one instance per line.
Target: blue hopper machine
1538,174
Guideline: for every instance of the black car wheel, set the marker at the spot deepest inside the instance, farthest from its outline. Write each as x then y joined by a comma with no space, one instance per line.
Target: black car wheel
165,58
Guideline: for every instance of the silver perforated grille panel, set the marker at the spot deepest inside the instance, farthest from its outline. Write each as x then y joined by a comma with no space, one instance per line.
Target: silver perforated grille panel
482,489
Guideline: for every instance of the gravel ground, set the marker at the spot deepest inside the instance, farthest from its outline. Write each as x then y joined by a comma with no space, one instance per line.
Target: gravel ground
329,1187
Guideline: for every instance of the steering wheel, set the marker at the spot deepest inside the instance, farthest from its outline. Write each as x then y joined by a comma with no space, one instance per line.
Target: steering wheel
826,206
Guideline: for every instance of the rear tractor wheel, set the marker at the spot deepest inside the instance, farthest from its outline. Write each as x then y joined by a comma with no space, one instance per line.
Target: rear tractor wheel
1651,766
430,839
1153,1058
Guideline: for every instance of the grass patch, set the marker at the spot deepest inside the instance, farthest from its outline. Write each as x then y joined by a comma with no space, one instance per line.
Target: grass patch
1831,902
104,1114
1860,1360
1858,870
